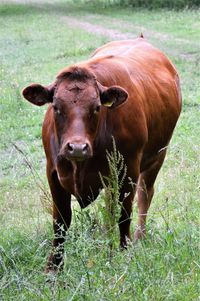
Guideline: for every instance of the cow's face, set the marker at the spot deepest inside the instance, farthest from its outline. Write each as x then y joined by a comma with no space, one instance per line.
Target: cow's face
77,109
76,104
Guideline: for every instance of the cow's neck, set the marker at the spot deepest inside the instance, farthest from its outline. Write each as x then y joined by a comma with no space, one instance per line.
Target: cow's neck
103,140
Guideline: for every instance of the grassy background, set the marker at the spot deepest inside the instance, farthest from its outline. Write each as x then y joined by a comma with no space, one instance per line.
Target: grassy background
35,43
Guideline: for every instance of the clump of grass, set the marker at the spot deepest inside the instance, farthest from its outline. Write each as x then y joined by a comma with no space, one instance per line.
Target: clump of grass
112,185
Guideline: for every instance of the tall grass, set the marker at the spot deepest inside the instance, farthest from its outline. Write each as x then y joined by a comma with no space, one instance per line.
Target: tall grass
112,185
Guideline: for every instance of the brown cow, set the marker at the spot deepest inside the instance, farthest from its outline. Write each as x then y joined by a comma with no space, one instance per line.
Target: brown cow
128,90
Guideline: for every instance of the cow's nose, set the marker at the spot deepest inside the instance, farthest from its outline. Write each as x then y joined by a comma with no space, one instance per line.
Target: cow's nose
77,149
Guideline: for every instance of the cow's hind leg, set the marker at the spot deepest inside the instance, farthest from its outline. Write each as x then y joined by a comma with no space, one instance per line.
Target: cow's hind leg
145,191
61,221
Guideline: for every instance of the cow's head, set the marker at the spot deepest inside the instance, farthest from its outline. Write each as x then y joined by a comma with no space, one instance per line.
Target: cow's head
77,99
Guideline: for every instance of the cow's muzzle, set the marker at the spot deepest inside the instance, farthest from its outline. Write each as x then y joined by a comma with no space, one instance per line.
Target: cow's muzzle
76,151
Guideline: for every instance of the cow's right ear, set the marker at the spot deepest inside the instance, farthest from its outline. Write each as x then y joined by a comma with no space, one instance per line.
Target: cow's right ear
39,95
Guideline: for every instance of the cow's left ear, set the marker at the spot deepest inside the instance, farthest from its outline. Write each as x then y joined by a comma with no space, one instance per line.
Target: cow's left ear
113,96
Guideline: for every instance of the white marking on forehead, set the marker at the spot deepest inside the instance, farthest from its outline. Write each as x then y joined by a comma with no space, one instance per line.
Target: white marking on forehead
76,86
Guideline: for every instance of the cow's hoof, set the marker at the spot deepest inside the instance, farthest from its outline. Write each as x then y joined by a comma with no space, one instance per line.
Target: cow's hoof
140,233
54,265
124,243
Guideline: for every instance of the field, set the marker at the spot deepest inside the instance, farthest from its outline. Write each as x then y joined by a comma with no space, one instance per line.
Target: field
38,39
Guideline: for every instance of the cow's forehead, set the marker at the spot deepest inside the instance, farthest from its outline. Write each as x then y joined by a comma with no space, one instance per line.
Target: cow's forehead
76,90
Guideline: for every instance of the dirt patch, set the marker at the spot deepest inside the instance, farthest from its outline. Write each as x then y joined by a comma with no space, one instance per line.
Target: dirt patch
113,34
97,29
130,31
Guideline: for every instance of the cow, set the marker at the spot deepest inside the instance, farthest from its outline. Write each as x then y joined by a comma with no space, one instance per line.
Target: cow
128,91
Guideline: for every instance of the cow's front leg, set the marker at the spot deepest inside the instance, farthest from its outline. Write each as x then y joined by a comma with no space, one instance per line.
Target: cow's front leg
61,222
126,199
125,218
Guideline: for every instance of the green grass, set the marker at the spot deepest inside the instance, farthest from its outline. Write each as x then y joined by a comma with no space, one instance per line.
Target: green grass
35,44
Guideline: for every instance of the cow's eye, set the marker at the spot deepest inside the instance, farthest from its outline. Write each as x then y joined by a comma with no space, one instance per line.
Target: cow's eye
97,110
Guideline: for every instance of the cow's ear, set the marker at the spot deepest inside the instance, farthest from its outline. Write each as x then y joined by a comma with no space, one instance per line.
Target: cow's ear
39,95
113,96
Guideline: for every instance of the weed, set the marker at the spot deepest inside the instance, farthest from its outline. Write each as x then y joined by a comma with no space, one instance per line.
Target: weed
112,185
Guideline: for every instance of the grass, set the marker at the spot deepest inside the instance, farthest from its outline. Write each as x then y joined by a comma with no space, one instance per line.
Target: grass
35,44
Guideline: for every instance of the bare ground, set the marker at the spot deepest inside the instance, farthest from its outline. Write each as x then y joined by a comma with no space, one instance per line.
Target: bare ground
97,29
133,30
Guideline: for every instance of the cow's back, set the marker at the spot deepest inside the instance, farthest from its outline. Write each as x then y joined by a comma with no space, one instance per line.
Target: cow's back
152,82
138,63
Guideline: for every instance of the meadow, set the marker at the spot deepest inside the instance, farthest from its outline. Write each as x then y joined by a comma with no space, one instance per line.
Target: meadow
37,39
